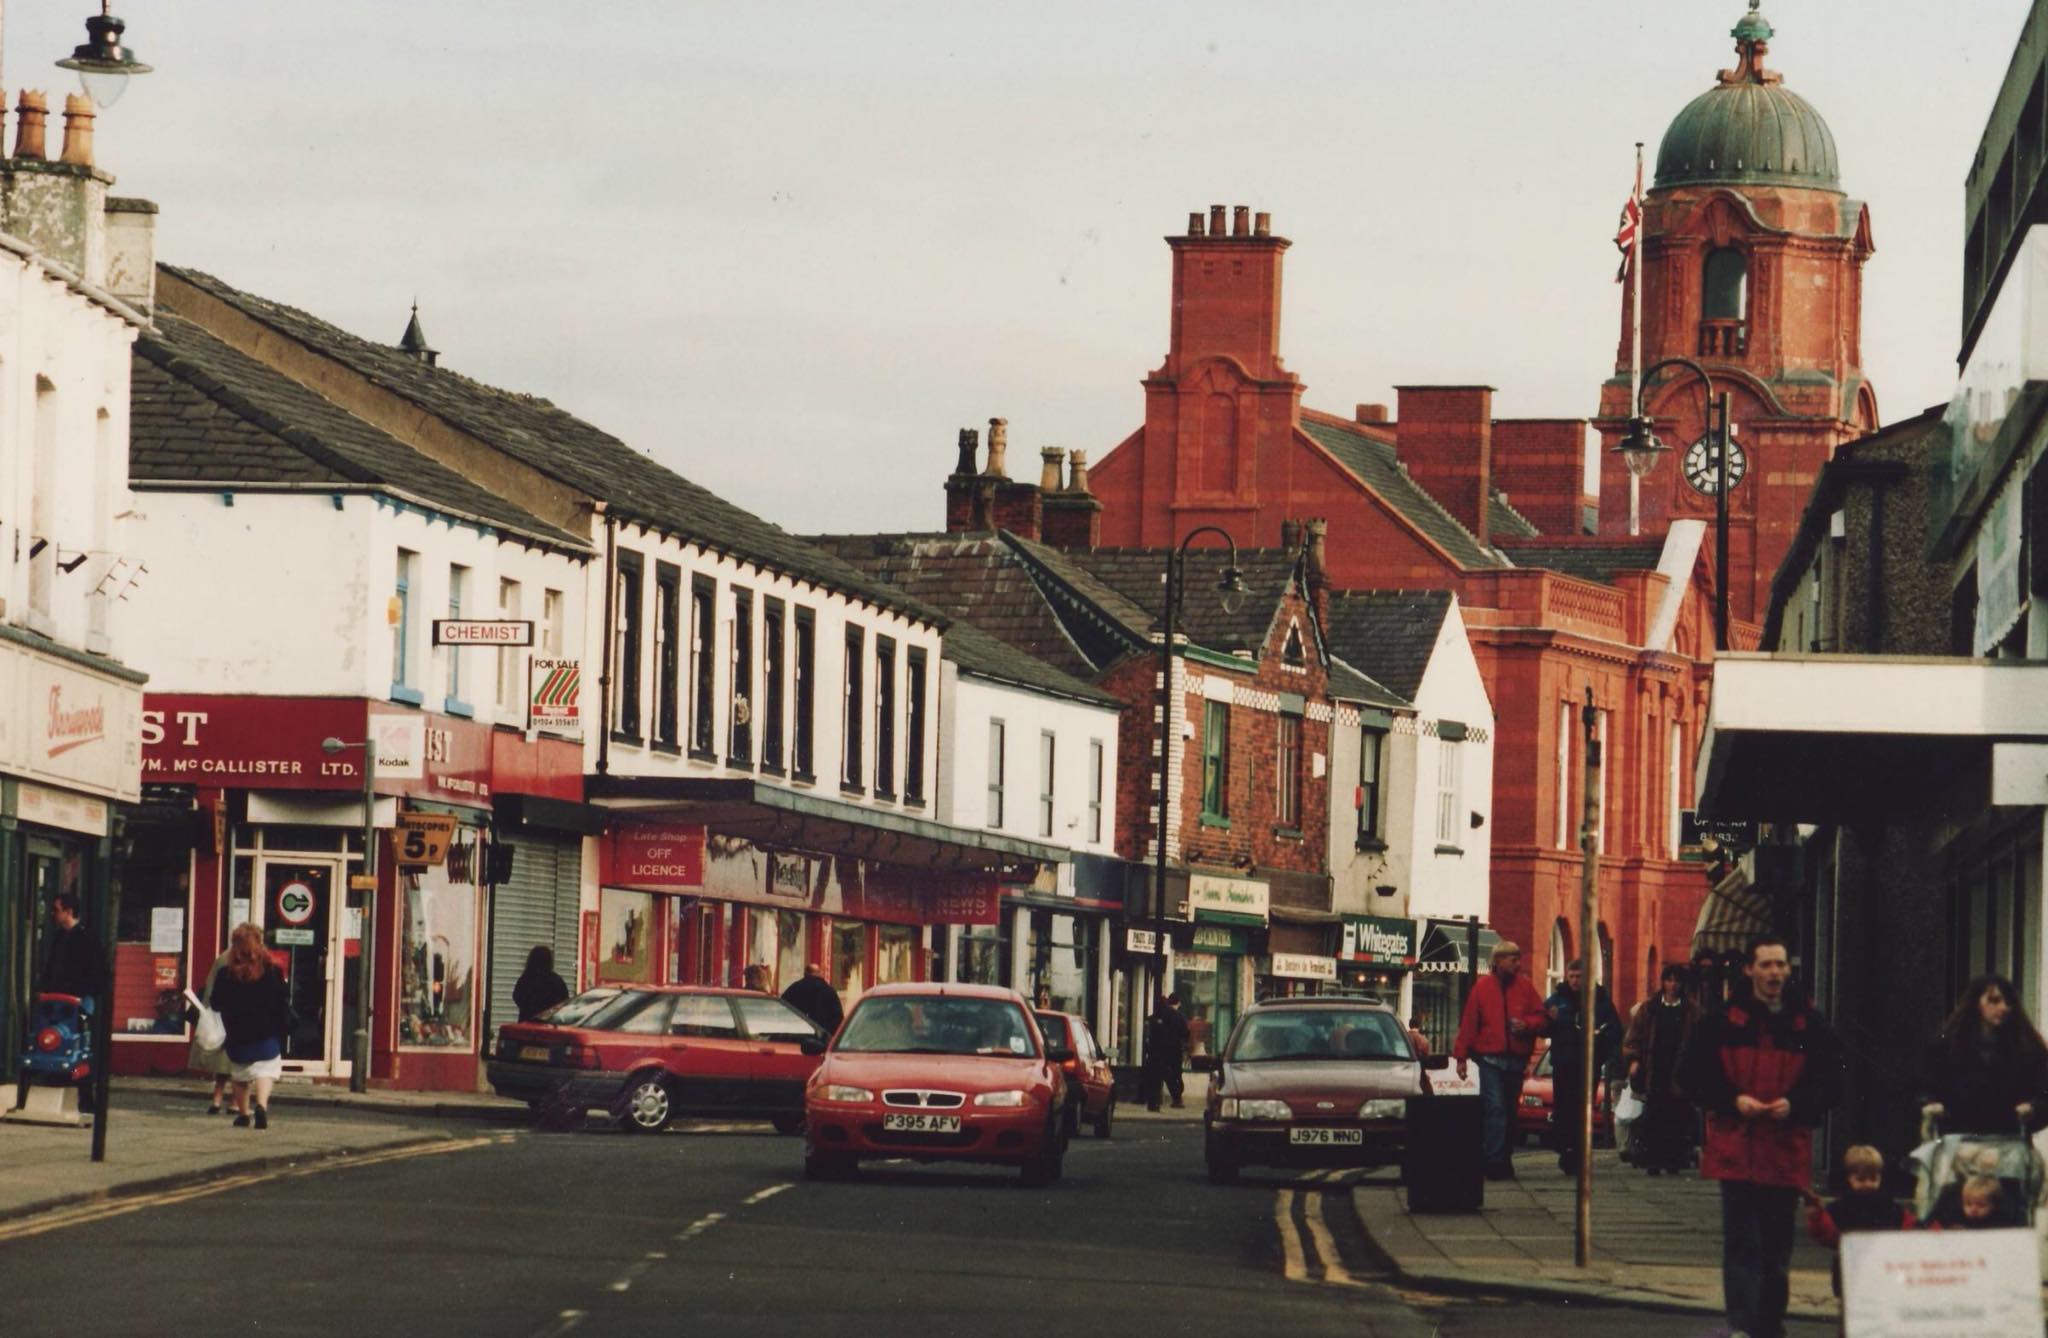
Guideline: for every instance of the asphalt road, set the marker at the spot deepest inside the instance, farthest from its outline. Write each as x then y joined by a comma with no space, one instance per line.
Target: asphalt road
543,1235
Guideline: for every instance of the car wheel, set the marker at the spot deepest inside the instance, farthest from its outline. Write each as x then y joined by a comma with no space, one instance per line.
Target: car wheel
1070,1126
1222,1164
789,1123
646,1106
1102,1125
827,1166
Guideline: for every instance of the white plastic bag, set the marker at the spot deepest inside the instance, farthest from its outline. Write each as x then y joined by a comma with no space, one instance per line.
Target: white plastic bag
1627,1110
211,1031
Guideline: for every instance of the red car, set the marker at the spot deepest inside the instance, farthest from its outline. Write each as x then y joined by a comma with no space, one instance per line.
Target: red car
1532,1118
650,1053
1091,1083
938,1073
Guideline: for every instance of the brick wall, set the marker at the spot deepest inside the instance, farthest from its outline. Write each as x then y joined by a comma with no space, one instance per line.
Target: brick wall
1540,463
1445,436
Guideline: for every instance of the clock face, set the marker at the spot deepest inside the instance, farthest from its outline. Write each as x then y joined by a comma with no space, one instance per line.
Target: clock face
1699,465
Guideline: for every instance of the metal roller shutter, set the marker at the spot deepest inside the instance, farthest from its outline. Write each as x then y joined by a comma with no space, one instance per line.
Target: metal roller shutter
534,906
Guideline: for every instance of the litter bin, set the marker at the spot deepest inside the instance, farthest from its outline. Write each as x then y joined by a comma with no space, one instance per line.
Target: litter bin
1444,1165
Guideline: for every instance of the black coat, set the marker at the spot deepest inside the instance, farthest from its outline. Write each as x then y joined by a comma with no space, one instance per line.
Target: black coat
536,992
1978,1092
72,965
254,1010
814,997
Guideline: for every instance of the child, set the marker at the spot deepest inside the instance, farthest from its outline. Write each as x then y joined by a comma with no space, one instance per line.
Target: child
1980,1203
1866,1207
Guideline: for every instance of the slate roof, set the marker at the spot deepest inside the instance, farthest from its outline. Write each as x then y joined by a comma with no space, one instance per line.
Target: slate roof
1507,522
201,412
1587,558
1347,684
1137,574
979,652
1374,462
564,447
1388,634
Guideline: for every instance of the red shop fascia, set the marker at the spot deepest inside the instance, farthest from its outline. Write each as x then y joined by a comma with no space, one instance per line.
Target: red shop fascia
271,832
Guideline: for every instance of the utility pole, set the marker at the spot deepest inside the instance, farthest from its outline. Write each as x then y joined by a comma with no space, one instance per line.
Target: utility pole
1589,986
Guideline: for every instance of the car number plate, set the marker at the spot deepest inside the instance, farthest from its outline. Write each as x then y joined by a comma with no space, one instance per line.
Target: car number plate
537,1053
1327,1137
922,1124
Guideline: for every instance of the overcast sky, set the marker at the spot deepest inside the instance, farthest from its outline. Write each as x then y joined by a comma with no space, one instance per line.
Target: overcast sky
790,248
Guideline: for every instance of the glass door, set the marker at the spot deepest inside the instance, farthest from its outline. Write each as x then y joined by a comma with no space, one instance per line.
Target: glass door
301,917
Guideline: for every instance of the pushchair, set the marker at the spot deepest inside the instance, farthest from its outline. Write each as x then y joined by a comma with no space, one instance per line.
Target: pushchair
1943,1165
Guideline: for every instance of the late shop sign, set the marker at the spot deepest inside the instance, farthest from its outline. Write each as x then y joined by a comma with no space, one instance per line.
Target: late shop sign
1380,941
653,856
1239,900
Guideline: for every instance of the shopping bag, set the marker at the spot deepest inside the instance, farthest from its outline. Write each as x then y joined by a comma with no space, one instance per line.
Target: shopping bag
211,1030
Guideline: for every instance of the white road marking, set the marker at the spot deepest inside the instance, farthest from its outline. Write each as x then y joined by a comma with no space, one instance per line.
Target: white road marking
566,1321
1290,1244
767,1193
700,1226
622,1284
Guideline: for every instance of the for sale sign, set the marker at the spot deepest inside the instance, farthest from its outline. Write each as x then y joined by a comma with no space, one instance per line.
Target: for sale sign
1941,1284
556,686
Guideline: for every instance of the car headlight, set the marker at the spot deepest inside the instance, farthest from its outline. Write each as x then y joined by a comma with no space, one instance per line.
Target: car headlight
1386,1108
1010,1099
837,1092
1235,1108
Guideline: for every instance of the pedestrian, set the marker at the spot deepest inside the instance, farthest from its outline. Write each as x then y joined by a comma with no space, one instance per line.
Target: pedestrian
1988,1071
1166,1046
1765,1068
1503,1017
1866,1207
255,1003
814,997
1657,1033
538,987
1568,1021
1417,1040
1705,982
72,962
214,1063
755,978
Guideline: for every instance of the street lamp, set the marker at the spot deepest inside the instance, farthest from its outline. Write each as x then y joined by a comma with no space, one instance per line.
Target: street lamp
359,1066
1230,593
102,62
1640,450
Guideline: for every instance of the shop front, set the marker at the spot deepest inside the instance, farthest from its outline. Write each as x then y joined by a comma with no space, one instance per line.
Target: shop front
1377,956
1215,977
1453,952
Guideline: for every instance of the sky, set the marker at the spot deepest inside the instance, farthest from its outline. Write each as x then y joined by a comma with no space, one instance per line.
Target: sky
789,249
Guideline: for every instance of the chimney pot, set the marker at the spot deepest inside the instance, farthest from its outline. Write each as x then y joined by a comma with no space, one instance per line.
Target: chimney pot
970,446
28,130
1241,221
78,117
1049,458
1318,531
1372,413
998,447
1262,225
1077,472
1195,223
1290,535
1215,216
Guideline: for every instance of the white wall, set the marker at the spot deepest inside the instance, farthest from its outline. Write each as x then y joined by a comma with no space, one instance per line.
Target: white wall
1355,872
968,704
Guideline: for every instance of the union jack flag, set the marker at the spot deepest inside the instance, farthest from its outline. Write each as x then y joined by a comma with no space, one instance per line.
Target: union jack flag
1631,221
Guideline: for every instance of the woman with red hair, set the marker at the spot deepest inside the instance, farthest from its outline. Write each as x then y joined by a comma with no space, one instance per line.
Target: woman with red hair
254,1002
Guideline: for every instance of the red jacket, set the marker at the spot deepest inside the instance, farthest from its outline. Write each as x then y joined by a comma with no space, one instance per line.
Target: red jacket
1484,1029
1747,1050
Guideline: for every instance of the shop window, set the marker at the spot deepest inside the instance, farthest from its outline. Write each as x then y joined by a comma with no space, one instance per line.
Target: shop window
790,949
772,680
438,974
1371,753
914,690
996,731
706,1015
510,707
626,648
402,629
885,717
739,743
1046,746
151,967
1216,762
983,955
1287,774
895,954
852,762
703,628
458,591
1062,963
1097,763
625,937
849,959
668,653
803,727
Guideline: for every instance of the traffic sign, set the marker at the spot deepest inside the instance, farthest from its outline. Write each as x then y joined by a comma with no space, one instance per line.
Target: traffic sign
295,903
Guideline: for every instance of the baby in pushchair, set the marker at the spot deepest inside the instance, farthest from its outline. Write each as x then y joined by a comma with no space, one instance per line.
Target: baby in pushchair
1975,1181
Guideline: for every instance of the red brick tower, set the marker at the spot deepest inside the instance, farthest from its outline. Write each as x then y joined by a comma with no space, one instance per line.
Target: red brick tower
1754,268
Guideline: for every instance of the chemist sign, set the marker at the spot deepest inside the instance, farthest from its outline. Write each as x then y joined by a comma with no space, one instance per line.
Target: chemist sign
1938,1284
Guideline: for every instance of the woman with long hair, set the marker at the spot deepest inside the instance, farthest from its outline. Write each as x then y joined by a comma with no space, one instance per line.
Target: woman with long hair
255,1003
1988,1073
538,987
1657,1034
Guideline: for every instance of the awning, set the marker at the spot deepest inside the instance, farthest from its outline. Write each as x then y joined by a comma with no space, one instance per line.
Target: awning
1735,912
769,815
1443,947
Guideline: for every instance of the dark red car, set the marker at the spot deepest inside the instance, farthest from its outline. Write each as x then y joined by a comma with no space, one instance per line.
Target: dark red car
1539,1105
938,1073
1091,1082
650,1053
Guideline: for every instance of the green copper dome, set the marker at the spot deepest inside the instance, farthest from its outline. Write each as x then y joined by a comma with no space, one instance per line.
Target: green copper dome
1749,129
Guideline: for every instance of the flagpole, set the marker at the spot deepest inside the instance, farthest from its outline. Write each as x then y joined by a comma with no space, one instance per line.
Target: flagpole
1635,358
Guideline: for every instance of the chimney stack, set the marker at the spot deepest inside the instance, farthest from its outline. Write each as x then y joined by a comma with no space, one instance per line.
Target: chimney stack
58,208
1318,531
1077,472
1444,435
970,449
1073,516
998,448
969,497
28,127
1372,413
131,252
78,118
1050,459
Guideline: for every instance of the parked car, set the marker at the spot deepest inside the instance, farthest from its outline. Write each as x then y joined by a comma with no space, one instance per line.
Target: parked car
1091,1083
652,1052
1316,1081
938,1073
1539,1106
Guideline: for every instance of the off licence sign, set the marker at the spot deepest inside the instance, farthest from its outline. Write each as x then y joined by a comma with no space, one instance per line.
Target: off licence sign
423,838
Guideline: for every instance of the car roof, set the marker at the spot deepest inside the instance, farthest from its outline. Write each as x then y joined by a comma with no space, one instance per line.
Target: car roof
1313,1001
727,990
947,989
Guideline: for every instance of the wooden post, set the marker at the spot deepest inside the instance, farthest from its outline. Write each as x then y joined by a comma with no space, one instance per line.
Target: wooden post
1589,985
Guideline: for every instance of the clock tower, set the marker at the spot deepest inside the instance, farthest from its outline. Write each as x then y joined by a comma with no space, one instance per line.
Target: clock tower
1753,267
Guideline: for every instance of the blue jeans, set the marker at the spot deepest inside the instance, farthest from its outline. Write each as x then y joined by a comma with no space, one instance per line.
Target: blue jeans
1756,1255
1500,1088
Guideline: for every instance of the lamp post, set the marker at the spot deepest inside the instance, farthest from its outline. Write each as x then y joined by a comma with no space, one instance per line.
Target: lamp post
1640,450
1230,592
359,1065
103,64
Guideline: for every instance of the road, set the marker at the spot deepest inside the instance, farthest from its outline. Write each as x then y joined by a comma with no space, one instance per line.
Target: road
548,1235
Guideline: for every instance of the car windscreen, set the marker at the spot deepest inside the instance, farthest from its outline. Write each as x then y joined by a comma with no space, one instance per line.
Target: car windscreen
921,1025
1054,1028
1319,1034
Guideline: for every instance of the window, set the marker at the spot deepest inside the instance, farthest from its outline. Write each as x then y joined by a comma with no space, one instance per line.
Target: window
1450,768
774,1020
626,647
803,729
1676,780
1046,753
1097,761
885,717
771,685
995,773
1216,762
402,625
553,624
509,656
1726,285
1606,784
1564,775
458,584
852,762
1371,749
703,630
913,732
668,652
704,1015
1287,773
849,941
43,495
739,742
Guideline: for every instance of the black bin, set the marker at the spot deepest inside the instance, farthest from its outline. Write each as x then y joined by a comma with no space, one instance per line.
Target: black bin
1444,1164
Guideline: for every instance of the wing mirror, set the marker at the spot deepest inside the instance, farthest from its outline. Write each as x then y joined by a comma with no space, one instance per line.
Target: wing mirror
812,1045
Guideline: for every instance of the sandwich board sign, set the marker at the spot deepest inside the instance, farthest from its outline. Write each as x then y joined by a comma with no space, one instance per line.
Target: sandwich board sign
1941,1284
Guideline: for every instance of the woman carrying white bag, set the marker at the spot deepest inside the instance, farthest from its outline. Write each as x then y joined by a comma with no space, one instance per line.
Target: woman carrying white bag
213,1060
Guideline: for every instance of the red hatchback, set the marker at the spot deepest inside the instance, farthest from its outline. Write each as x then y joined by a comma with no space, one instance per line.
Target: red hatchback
1091,1083
651,1053
938,1073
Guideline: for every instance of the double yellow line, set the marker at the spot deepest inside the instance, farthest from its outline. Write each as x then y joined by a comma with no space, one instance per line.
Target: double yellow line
1313,1233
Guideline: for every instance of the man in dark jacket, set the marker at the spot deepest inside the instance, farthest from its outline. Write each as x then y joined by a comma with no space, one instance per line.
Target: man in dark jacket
1166,1048
71,960
814,997
1567,1057
1765,1069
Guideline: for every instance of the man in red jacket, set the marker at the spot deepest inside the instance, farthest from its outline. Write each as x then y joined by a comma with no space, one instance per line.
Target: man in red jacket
1503,1018
1765,1069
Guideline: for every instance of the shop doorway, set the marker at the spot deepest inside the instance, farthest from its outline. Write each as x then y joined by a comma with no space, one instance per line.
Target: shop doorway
304,923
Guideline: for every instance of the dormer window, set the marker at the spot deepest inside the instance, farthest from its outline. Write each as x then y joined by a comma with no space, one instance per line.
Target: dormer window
1292,655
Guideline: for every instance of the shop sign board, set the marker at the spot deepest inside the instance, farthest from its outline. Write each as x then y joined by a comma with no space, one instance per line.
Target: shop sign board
68,725
67,809
969,899
1380,941
1242,899
554,694
483,631
270,743
1198,963
1931,1284
1217,938
292,938
1144,943
657,856
1302,966
424,838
